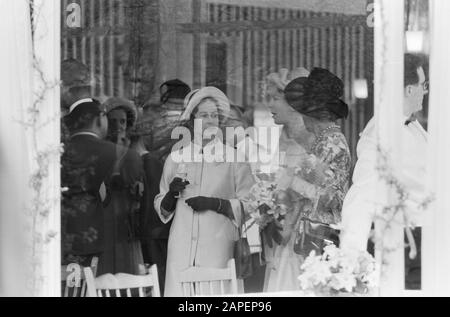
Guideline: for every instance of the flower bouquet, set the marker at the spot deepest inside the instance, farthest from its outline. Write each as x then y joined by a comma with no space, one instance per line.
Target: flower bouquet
339,273
268,206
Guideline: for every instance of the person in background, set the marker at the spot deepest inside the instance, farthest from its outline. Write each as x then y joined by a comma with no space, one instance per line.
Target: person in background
123,252
163,115
359,209
122,116
86,163
153,233
202,197
75,83
316,169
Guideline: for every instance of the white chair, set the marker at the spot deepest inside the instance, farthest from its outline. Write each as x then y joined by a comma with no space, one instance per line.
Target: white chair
108,284
73,280
200,281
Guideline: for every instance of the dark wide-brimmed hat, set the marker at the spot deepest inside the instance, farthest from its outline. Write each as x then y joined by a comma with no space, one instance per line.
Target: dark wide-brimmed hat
128,106
174,88
321,92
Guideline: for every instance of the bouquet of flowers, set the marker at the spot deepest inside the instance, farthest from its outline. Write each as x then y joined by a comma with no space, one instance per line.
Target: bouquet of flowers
339,272
267,206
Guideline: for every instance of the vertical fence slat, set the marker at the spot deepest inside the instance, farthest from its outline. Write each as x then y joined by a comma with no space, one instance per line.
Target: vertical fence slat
111,51
92,49
256,56
294,38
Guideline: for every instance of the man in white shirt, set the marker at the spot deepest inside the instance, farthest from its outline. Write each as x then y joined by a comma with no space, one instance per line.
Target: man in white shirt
360,204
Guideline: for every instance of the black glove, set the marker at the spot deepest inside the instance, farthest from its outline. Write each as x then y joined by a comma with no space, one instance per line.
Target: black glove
221,206
177,186
200,203
169,201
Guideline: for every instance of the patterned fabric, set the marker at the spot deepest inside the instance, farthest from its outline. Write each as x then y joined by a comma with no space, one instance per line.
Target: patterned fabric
335,164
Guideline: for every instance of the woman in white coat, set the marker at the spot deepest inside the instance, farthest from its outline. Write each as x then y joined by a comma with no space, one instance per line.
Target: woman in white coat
208,211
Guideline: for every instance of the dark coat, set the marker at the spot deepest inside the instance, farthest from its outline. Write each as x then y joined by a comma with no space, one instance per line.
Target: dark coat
86,163
151,226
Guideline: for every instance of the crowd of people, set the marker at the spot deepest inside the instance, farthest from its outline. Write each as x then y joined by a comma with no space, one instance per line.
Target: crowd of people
131,203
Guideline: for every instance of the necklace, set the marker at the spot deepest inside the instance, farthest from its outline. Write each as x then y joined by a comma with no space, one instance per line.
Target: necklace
322,135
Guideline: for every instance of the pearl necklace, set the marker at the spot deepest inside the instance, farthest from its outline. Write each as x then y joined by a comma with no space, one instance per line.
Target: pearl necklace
322,134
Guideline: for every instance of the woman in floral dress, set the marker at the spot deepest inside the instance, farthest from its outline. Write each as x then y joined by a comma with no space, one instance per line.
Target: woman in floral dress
316,168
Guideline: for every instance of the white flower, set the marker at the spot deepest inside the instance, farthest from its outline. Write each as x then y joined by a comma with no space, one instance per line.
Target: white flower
338,270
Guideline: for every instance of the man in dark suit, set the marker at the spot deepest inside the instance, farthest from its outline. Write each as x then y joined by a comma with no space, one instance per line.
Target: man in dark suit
88,160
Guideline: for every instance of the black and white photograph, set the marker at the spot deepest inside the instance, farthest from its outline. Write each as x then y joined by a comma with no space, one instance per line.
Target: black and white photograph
245,149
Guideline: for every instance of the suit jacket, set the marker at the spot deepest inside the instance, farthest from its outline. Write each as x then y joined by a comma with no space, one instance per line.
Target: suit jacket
360,204
86,163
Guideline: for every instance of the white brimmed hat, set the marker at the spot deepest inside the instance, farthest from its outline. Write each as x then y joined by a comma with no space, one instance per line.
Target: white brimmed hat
194,98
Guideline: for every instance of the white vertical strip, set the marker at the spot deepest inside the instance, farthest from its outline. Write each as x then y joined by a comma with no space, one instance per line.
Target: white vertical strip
15,169
436,235
389,39
48,49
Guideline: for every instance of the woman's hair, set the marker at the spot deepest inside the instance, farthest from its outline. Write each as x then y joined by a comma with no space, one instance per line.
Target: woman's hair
412,65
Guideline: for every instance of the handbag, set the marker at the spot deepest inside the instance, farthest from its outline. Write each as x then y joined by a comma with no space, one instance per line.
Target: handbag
242,256
314,236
